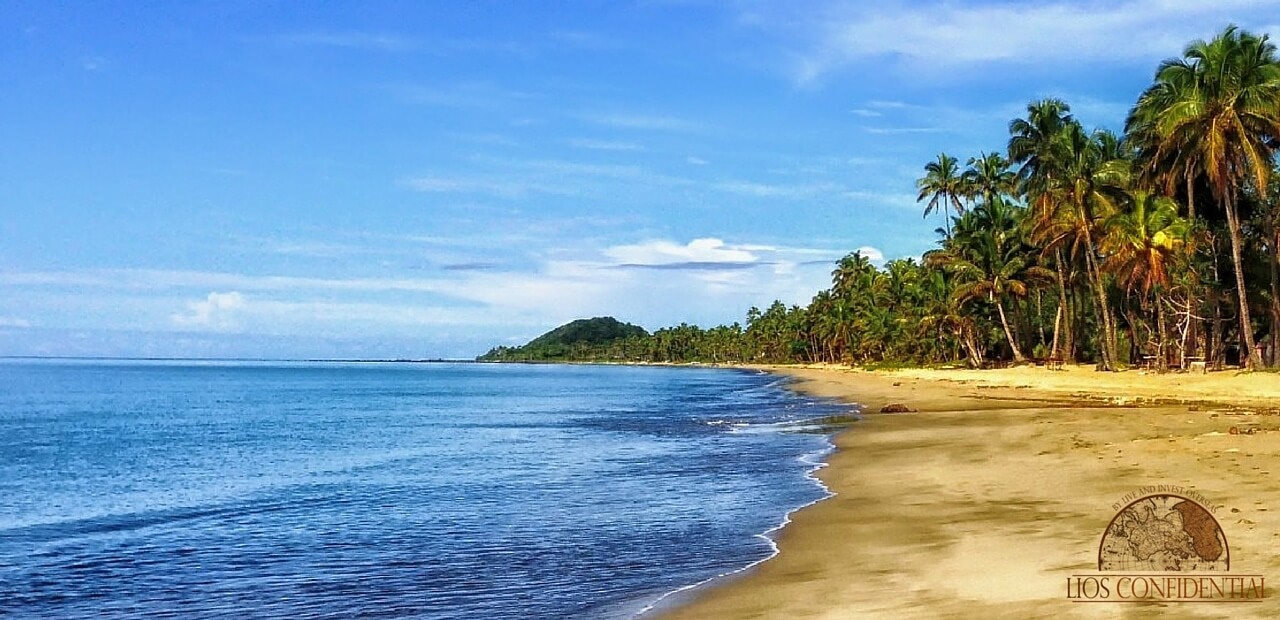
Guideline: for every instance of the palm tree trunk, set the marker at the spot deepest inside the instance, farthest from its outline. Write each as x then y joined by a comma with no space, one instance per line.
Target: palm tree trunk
1004,322
1135,349
1162,358
1275,297
1057,324
1064,305
1039,316
975,354
1108,348
1246,325
1193,288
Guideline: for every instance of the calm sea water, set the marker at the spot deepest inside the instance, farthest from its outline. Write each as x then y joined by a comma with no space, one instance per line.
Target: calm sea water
196,490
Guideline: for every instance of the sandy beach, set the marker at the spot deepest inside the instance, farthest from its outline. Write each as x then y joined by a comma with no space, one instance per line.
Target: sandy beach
985,501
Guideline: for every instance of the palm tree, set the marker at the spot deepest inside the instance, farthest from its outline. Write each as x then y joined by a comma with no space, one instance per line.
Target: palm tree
1216,112
1036,145
989,262
853,272
1094,175
943,185
1140,245
988,178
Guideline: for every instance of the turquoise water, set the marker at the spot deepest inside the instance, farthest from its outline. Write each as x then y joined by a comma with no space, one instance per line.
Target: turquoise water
199,490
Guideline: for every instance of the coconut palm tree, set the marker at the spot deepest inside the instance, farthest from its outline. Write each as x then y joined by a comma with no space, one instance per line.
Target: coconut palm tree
988,178
852,274
1036,146
1141,245
988,261
1216,112
1093,178
943,185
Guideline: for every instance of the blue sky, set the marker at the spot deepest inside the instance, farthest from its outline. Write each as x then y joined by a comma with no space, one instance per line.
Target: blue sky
429,179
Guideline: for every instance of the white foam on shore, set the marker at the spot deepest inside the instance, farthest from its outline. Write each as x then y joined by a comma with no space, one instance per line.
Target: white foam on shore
814,460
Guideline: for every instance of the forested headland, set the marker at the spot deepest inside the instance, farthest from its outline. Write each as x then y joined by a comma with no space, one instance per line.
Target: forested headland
1155,246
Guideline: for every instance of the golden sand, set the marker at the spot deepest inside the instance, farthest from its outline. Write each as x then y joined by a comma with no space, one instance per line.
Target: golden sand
985,501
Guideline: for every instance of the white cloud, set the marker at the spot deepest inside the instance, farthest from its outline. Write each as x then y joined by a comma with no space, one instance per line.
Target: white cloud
476,95
662,252
768,190
641,121
588,41
603,145
715,280
216,311
501,188
941,36
696,161
889,199
9,321
382,42
901,130
872,254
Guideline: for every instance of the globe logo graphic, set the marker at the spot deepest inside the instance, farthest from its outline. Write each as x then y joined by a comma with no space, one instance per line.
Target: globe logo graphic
1164,533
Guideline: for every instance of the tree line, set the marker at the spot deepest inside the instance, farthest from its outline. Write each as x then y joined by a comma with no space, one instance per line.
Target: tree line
1157,246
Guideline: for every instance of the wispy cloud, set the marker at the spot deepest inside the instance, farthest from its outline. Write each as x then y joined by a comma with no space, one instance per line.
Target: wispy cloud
872,254
518,178
490,139
160,279
642,122
939,36
376,41
662,253
900,130
479,95
890,199
9,321
588,41
217,311
708,274
476,266
315,249
603,145
696,161
92,63
769,190
492,186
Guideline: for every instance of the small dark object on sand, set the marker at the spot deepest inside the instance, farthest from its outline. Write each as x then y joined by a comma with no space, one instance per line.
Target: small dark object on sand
896,408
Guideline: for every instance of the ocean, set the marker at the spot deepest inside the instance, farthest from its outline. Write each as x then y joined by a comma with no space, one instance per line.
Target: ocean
372,490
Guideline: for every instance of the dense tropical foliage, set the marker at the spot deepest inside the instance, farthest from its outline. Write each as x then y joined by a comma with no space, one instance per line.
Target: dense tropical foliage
580,339
1156,247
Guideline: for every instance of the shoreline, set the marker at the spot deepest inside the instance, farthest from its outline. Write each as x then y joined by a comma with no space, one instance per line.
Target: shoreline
683,595
999,487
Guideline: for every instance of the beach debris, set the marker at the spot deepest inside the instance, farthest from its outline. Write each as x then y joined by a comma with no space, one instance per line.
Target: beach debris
896,408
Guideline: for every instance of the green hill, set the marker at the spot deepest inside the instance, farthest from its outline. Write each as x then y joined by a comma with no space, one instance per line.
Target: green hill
569,341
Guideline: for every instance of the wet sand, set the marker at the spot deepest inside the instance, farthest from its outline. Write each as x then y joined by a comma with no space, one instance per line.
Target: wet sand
998,488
